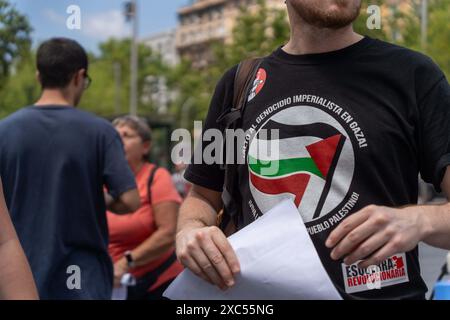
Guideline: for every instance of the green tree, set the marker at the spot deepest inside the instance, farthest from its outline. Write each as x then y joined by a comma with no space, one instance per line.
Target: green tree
15,41
439,34
21,88
102,96
403,27
360,25
193,92
256,33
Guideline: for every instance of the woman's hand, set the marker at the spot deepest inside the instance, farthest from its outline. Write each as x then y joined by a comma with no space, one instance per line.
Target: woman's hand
120,268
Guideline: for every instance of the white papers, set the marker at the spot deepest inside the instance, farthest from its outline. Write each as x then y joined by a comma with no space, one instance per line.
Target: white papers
278,261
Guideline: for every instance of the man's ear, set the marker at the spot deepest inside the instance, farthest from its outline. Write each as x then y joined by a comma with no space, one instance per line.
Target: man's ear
38,76
79,77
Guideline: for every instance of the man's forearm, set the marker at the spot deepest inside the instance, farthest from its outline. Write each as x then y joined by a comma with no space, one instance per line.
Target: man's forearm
437,220
16,281
196,212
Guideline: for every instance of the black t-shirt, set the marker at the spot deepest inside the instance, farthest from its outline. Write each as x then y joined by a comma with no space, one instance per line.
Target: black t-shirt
356,127
54,163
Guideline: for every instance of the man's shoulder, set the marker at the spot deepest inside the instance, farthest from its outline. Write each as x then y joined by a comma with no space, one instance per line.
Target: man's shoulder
74,116
88,116
228,76
404,57
93,121
21,115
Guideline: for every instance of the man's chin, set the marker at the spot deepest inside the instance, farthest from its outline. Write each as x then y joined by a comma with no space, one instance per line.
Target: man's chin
336,16
333,23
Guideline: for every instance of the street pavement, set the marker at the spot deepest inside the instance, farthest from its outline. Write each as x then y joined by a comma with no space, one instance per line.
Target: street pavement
431,262
431,259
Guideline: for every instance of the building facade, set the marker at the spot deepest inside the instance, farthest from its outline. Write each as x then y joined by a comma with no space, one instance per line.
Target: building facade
205,21
164,44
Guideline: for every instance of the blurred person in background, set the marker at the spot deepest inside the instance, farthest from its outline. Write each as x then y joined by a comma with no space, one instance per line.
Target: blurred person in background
55,161
143,243
181,184
16,281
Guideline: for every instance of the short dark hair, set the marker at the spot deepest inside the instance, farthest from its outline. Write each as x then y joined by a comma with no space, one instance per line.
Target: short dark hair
58,60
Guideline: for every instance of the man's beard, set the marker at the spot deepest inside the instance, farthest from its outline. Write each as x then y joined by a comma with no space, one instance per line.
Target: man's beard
316,14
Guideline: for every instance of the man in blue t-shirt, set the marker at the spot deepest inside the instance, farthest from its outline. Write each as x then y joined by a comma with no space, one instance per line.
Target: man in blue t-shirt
54,162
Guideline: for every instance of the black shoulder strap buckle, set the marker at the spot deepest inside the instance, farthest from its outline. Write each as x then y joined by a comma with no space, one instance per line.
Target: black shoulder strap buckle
227,118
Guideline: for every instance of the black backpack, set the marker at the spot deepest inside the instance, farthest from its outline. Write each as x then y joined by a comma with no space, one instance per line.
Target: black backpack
232,217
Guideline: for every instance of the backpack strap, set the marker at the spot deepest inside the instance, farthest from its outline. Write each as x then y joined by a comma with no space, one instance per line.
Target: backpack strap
150,182
243,82
232,119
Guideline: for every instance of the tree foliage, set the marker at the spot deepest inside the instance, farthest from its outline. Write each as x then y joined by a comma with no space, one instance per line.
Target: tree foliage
106,95
256,33
15,40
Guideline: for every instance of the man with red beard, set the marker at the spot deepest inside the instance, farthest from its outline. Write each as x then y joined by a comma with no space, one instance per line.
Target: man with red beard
360,119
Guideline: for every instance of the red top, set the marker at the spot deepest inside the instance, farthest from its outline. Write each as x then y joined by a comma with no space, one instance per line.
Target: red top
127,232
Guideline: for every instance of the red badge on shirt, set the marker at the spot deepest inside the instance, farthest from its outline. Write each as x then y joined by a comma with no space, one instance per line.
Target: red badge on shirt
258,84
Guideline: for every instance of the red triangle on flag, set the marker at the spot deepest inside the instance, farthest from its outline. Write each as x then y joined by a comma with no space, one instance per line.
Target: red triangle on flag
323,153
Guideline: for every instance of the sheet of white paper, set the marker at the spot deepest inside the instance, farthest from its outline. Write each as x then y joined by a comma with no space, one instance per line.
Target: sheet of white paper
278,261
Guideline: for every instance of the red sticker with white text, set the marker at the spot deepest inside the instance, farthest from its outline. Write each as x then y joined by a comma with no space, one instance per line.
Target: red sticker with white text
390,272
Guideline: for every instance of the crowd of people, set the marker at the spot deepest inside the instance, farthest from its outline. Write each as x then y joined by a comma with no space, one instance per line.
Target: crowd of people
90,209
81,193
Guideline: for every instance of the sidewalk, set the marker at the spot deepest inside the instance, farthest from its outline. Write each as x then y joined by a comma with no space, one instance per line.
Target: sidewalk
431,259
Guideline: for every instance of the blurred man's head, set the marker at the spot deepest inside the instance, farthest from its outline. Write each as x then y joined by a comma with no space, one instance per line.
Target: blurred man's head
62,64
332,14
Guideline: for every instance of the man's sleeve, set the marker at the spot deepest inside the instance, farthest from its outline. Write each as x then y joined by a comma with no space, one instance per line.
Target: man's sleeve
434,130
212,176
117,175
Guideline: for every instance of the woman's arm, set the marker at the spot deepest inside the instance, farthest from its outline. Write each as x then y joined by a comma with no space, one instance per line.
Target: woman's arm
165,217
16,280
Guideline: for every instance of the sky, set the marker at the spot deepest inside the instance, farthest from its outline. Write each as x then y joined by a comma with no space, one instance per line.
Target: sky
100,19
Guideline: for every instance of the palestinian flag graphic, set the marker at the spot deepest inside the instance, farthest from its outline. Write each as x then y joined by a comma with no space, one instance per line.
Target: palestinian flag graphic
303,156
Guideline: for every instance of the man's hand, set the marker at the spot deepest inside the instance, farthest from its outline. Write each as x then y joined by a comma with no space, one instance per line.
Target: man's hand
208,254
375,233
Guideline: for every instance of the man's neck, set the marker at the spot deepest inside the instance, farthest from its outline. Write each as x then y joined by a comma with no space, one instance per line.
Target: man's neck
309,39
54,97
